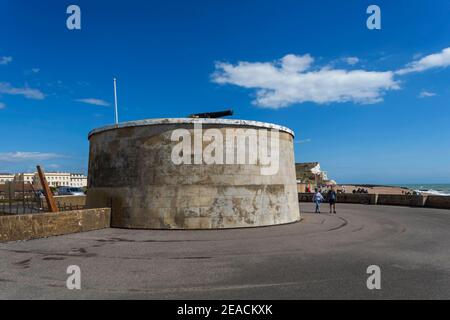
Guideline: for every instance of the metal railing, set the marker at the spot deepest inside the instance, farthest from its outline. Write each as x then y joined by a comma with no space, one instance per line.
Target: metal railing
19,198
22,198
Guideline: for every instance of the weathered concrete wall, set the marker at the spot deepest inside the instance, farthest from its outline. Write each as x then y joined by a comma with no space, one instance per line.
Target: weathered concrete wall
130,169
305,197
40,225
401,200
67,201
361,198
441,202
71,200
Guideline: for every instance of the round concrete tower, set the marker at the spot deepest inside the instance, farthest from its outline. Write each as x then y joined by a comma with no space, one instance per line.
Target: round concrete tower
193,174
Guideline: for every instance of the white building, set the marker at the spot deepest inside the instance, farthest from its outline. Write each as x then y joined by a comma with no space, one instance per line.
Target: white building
78,180
54,179
6,177
57,179
25,177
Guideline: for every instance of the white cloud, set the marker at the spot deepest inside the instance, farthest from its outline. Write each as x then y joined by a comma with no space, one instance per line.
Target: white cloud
2,105
30,93
292,63
436,60
302,141
97,102
5,60
351,60
288,81
32,71
425,94
26,156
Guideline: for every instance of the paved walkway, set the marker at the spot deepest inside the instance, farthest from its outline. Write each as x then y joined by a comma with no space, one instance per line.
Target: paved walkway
324,256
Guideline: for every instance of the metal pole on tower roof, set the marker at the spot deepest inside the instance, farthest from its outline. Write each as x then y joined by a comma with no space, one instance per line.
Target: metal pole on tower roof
116,112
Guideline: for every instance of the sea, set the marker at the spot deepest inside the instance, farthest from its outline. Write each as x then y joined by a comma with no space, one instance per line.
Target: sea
436,189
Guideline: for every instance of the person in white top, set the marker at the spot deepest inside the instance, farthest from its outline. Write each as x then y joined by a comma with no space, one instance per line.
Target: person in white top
317,199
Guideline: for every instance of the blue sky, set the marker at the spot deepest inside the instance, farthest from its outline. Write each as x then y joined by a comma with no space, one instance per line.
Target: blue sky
371,105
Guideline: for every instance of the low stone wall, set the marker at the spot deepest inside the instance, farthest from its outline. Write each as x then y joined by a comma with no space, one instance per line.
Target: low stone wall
305,197
67,201
41,225
71,200
440,202
401,200
362,198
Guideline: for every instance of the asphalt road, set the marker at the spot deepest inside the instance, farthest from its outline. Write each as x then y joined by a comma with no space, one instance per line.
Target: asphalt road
323,257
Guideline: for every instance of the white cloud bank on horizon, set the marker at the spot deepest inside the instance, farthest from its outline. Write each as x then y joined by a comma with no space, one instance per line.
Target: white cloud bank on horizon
5,60
291,80
26,156
30,93
435,60
94,101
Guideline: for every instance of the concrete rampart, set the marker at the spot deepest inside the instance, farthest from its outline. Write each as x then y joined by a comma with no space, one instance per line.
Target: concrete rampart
71,200
77,202
305,197
440,202
401,200
41,225
361,198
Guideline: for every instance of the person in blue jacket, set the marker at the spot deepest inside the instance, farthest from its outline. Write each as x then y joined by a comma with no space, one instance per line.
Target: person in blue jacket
332,197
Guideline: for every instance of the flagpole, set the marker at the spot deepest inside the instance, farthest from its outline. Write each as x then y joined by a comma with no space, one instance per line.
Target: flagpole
116,113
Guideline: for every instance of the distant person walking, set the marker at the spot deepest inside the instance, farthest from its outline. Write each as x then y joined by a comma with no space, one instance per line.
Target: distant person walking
332,197
317,199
